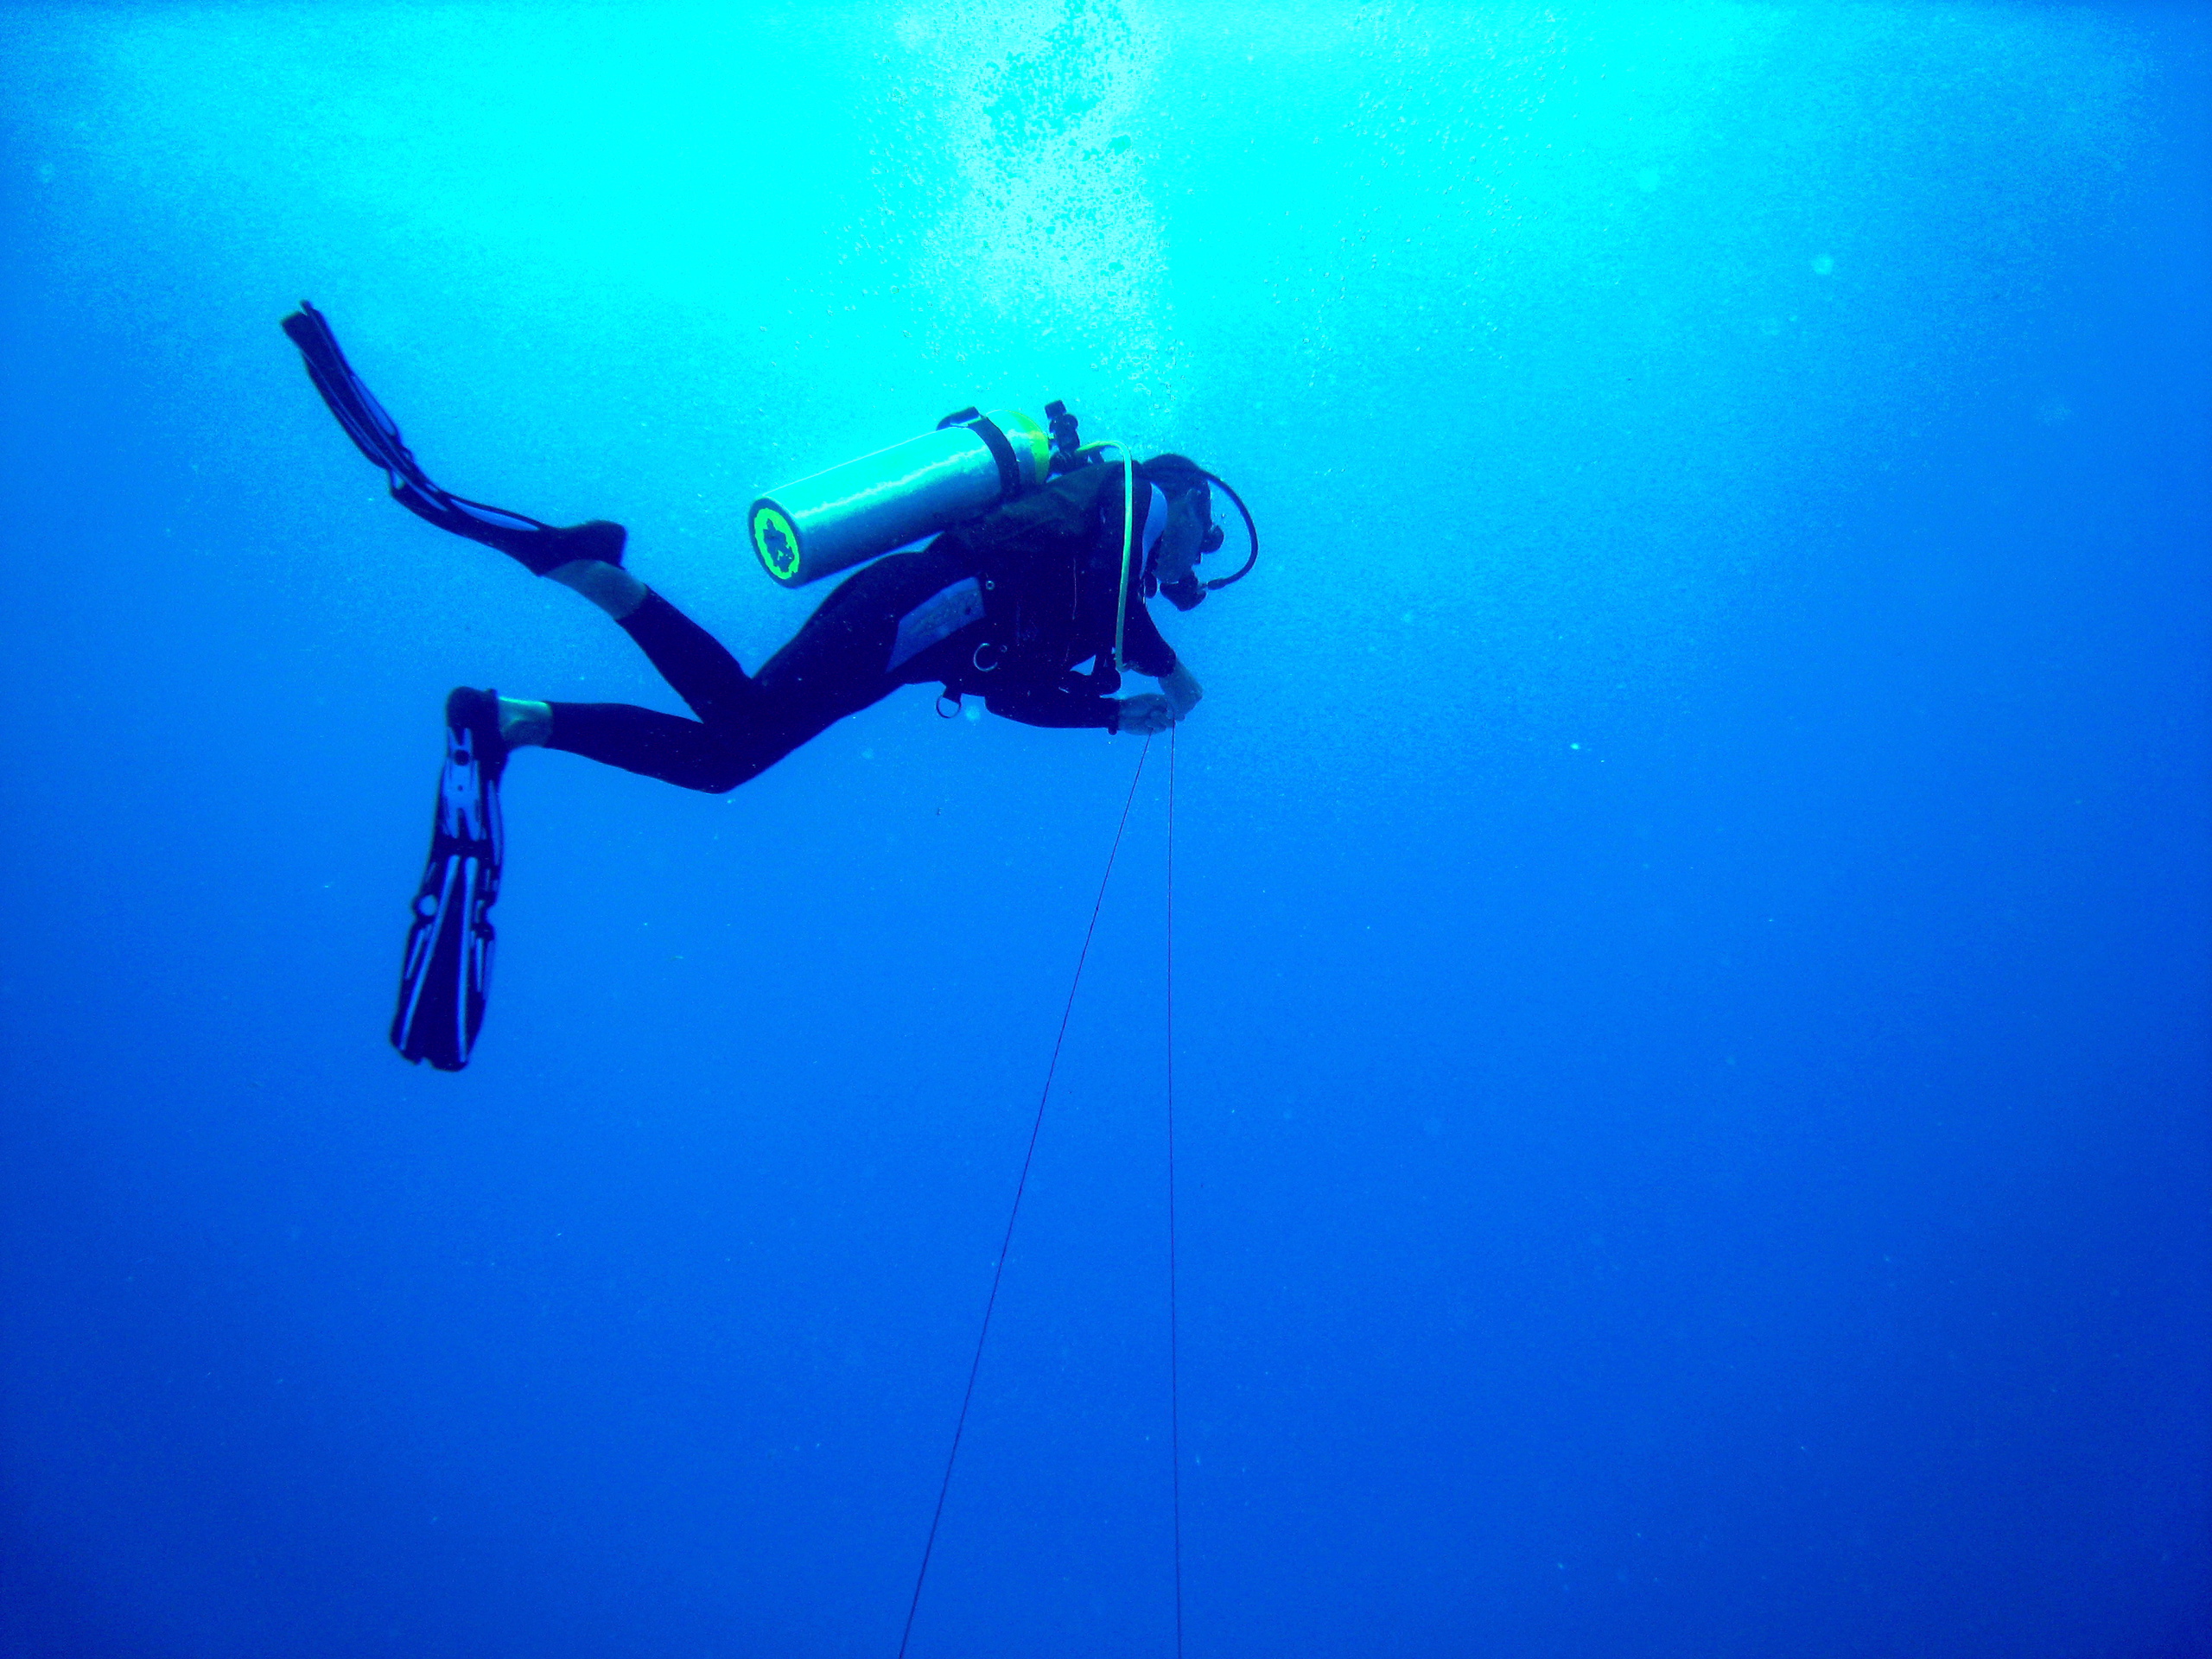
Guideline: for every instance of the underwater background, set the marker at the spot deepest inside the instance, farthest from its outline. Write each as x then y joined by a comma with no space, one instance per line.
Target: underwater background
1694,940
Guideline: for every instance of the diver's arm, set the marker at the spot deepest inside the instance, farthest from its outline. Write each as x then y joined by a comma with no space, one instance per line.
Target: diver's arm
1052,705
1181,688
1142,647
1179,694
1145,650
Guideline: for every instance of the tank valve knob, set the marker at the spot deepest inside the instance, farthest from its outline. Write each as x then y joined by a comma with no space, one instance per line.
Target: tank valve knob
1066,439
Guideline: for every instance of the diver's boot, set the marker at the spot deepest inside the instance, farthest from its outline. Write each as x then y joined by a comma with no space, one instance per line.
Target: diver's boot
596,538
472,723
546,547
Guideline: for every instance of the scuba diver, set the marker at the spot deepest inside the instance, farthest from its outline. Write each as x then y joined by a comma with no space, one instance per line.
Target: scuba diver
1001,561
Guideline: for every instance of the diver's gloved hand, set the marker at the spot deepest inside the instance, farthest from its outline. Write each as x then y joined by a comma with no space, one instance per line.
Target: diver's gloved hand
1143,716
1183,690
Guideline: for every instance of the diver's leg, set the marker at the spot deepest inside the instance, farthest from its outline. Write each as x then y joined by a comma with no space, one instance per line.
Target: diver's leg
714,753
687,752
850,637
698,666
610,587
835,665
541,548
733,739
745,725
838,663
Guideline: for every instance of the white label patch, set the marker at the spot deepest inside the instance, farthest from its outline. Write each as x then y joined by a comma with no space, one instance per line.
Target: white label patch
939,617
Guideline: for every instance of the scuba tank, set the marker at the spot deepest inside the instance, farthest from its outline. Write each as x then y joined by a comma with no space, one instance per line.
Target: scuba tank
851,513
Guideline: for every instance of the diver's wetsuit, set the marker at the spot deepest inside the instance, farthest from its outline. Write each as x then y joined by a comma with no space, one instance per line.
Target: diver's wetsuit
1002,608
848,656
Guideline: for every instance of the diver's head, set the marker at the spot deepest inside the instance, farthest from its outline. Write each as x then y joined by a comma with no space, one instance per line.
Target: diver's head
1190,532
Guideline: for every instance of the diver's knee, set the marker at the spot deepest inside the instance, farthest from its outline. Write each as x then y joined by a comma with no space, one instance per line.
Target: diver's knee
725,772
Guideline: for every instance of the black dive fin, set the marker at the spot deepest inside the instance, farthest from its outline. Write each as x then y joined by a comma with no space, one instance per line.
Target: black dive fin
537,545
447,966
374,433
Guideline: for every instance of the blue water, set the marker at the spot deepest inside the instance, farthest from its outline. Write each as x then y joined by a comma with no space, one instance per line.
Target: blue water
1694,888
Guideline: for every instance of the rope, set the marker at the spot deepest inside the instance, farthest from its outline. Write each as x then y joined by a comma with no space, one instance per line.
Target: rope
1174,1321
998,1269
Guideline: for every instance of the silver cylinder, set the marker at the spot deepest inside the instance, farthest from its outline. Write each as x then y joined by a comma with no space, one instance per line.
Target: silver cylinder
836,519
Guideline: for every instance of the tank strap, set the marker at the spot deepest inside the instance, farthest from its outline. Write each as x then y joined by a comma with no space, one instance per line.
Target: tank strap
1002,452
994,440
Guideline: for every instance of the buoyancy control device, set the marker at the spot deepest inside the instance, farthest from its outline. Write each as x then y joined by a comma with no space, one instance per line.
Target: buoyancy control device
972,464
835,520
